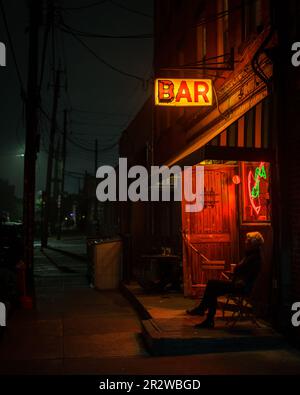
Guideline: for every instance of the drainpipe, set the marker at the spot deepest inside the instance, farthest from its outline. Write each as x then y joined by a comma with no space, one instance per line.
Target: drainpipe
281,250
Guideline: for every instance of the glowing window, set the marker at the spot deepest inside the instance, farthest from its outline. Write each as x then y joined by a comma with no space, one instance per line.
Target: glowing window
256,195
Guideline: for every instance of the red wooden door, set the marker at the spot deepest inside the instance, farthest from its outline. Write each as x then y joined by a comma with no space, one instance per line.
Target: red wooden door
212,232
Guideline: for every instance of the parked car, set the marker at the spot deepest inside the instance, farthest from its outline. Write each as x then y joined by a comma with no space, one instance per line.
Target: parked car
11,244
11,252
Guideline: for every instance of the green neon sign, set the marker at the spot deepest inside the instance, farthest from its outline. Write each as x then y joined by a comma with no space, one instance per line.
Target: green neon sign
260,172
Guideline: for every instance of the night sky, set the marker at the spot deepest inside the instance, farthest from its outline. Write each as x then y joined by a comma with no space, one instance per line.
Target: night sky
103,101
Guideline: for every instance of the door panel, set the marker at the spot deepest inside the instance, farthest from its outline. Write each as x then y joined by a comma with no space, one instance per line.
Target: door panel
212,231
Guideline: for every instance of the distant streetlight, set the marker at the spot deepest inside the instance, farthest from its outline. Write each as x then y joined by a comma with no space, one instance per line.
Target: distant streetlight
20,155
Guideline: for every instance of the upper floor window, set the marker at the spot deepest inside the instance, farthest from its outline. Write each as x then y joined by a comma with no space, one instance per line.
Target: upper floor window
251,17
201,43
222,28
226,27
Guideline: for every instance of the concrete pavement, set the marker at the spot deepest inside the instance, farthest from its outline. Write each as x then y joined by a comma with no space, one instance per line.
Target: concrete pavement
78,330
71,321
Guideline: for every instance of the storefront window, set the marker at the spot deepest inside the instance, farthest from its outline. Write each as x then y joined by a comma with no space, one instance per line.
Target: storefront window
256,196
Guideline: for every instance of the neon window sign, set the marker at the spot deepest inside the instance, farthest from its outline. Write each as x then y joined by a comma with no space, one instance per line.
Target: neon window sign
254,186
256,205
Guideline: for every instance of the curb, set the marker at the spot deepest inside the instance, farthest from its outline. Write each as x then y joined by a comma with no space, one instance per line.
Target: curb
138,306
70,254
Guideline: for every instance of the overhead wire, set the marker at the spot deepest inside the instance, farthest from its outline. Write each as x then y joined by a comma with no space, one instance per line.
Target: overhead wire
131,10
96,124
23,92
114,3
82,144
222,14
44,48
100,113
87,149
80,8
140,79
103,61
68,29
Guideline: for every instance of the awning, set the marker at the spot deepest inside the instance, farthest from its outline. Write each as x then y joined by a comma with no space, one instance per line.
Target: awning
247,139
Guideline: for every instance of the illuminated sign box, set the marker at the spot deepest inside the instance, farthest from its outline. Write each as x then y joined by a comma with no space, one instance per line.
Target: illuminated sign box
183,92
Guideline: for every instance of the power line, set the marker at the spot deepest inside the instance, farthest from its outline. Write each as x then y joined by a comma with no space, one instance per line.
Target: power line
85,111
99,113
222,14
68,29
43,127
108,148
104,61
76,144
68,101
113,125
89,136
12,49
131,10
45,44
47,116
91,140
97,3
68,138
79,145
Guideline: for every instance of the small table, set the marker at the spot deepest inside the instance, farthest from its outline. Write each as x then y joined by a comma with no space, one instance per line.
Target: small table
163,257
168,270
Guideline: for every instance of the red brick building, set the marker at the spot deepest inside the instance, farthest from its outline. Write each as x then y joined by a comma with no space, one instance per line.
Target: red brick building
234,43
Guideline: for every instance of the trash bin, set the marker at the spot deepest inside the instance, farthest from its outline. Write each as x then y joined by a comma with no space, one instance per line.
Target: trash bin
107,260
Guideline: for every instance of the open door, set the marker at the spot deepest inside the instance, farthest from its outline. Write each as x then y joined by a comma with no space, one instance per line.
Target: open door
210,242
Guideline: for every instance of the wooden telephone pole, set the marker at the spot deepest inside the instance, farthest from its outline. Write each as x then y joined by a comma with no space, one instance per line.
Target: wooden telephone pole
62,188
47,201
31,141
96,167
56,186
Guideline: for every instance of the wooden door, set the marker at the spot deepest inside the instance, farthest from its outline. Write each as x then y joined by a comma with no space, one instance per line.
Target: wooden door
211,233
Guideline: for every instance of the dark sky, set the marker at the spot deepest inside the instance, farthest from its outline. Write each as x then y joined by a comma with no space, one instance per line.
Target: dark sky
103,101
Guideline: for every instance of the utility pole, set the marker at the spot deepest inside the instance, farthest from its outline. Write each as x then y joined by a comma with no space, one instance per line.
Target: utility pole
50,161
31,142
61,196
56,187
95,171
96,155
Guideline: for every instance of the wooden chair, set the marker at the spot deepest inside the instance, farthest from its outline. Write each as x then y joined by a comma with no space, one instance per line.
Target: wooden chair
239,304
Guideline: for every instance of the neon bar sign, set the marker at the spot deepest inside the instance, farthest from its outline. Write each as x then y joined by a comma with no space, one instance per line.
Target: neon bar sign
183,92
254,186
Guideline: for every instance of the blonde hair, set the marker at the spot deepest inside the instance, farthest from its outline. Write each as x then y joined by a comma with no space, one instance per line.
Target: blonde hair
256,238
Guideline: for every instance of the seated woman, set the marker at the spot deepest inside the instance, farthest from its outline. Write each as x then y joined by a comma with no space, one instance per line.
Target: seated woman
243,278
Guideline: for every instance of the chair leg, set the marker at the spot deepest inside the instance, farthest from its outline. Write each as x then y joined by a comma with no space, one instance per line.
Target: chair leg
224,307
233,319
243,311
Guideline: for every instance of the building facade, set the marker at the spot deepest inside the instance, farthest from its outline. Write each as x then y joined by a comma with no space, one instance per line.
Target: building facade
238,139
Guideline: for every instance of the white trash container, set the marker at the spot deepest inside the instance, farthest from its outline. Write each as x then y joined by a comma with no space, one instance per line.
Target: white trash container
107,264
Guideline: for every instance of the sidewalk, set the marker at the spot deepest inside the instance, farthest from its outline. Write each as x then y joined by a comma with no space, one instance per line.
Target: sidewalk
168,330
78,330
73,246
73,325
